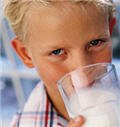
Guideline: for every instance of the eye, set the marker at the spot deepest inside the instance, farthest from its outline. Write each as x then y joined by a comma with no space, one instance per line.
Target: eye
57,52
95,43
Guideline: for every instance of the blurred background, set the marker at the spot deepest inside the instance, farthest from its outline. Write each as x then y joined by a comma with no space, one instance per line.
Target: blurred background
17,81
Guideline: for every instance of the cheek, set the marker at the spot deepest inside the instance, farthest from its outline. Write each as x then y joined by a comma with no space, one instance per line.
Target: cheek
50,73
104,56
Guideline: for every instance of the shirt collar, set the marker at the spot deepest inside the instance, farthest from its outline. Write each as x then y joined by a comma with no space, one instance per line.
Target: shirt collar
39,111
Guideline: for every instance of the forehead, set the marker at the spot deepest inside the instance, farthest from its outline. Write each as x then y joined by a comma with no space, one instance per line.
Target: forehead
65,8
62,16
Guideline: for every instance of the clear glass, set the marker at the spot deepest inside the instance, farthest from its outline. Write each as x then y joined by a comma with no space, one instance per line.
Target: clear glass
92,91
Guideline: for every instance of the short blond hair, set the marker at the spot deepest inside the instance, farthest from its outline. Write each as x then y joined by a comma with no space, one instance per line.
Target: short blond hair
15,11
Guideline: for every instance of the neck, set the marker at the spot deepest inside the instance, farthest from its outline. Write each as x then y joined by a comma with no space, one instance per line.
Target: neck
58,104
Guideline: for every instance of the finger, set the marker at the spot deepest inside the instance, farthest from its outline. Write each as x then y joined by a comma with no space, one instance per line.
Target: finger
77,122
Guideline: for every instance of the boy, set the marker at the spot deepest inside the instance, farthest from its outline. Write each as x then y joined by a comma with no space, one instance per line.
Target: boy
57,37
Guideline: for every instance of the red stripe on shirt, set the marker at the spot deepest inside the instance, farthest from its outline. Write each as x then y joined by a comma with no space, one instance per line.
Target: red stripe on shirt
47,109
60,124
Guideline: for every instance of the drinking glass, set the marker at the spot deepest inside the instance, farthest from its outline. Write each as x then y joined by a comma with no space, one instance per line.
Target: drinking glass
92,91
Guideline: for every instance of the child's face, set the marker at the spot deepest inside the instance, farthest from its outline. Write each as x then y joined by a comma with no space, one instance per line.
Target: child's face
63,37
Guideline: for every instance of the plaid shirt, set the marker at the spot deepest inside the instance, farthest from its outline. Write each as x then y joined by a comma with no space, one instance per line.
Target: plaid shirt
38,112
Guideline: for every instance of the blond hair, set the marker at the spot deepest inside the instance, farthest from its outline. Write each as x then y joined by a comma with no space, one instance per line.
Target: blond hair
15,11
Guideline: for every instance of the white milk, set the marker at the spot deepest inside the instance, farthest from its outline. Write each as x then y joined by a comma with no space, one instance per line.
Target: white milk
99,107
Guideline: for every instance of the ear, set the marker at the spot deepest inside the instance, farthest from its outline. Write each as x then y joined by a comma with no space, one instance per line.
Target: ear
111,25
22,52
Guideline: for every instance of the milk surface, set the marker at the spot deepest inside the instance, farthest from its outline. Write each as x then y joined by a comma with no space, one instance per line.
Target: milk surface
99,107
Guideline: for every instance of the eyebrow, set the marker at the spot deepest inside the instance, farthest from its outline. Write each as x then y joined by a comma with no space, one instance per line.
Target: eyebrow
52,46
103,34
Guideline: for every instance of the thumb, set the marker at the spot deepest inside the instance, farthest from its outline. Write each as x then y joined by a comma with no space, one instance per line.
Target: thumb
77,122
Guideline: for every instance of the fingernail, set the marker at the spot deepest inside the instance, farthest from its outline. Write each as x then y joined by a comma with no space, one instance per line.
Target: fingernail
78,119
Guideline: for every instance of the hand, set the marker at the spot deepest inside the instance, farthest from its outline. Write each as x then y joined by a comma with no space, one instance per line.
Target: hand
77,122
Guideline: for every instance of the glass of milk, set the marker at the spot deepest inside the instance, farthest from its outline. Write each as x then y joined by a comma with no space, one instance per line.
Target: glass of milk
92,91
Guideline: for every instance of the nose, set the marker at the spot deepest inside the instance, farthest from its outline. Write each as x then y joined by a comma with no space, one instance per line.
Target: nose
80,59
